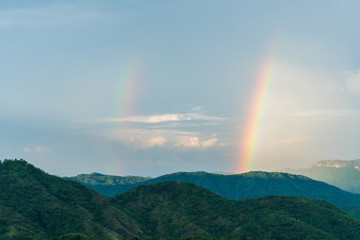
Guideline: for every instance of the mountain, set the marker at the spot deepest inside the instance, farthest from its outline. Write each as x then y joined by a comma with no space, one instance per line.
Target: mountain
107,184
251,185
36,205
101,179
341,173
184,210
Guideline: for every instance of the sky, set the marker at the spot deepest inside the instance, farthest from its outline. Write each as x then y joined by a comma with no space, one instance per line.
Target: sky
139,87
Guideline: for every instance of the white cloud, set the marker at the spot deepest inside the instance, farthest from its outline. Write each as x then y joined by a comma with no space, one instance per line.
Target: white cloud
162,118
167,138
154,118
143,138
210,142
353,81
166,130
36,149
188,141
157,141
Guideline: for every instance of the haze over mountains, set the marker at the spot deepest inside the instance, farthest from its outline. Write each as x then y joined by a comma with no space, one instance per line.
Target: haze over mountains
344,174
36,205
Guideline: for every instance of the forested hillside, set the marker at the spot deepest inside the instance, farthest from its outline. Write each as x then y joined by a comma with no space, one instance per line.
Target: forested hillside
36,205
183,210
248,185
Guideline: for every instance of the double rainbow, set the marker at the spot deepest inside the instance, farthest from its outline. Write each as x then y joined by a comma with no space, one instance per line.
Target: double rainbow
250,135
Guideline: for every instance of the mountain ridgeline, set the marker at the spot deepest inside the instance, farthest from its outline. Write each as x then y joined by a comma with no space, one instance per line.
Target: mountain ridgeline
108,184
341,173
36,205
246,186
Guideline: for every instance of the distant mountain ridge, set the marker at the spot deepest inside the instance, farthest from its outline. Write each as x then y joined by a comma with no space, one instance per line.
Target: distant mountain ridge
105,184
344,174
36,205
249,185
101,179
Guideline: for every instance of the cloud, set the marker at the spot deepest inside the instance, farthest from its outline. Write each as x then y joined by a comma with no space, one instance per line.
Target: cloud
188,142
153,118
158,161
142,138
191,142
210,142
161,118
166,138
196,108
36,149
157,141
167,131
353,81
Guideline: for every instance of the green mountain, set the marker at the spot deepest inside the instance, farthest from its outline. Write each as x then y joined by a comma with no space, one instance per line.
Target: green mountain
251,185
107,184
36,205
340,173
101,179
182,210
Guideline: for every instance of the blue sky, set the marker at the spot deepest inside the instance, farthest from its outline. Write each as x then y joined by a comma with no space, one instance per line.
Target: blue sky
153,87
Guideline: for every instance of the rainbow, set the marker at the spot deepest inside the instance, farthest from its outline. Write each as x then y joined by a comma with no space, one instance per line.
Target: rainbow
125,92
250,135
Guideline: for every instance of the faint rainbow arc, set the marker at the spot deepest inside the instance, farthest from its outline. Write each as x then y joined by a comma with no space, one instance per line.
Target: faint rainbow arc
250,135
125,91
126,88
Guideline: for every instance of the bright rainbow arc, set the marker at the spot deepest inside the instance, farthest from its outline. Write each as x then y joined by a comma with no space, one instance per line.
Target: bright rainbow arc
249,138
